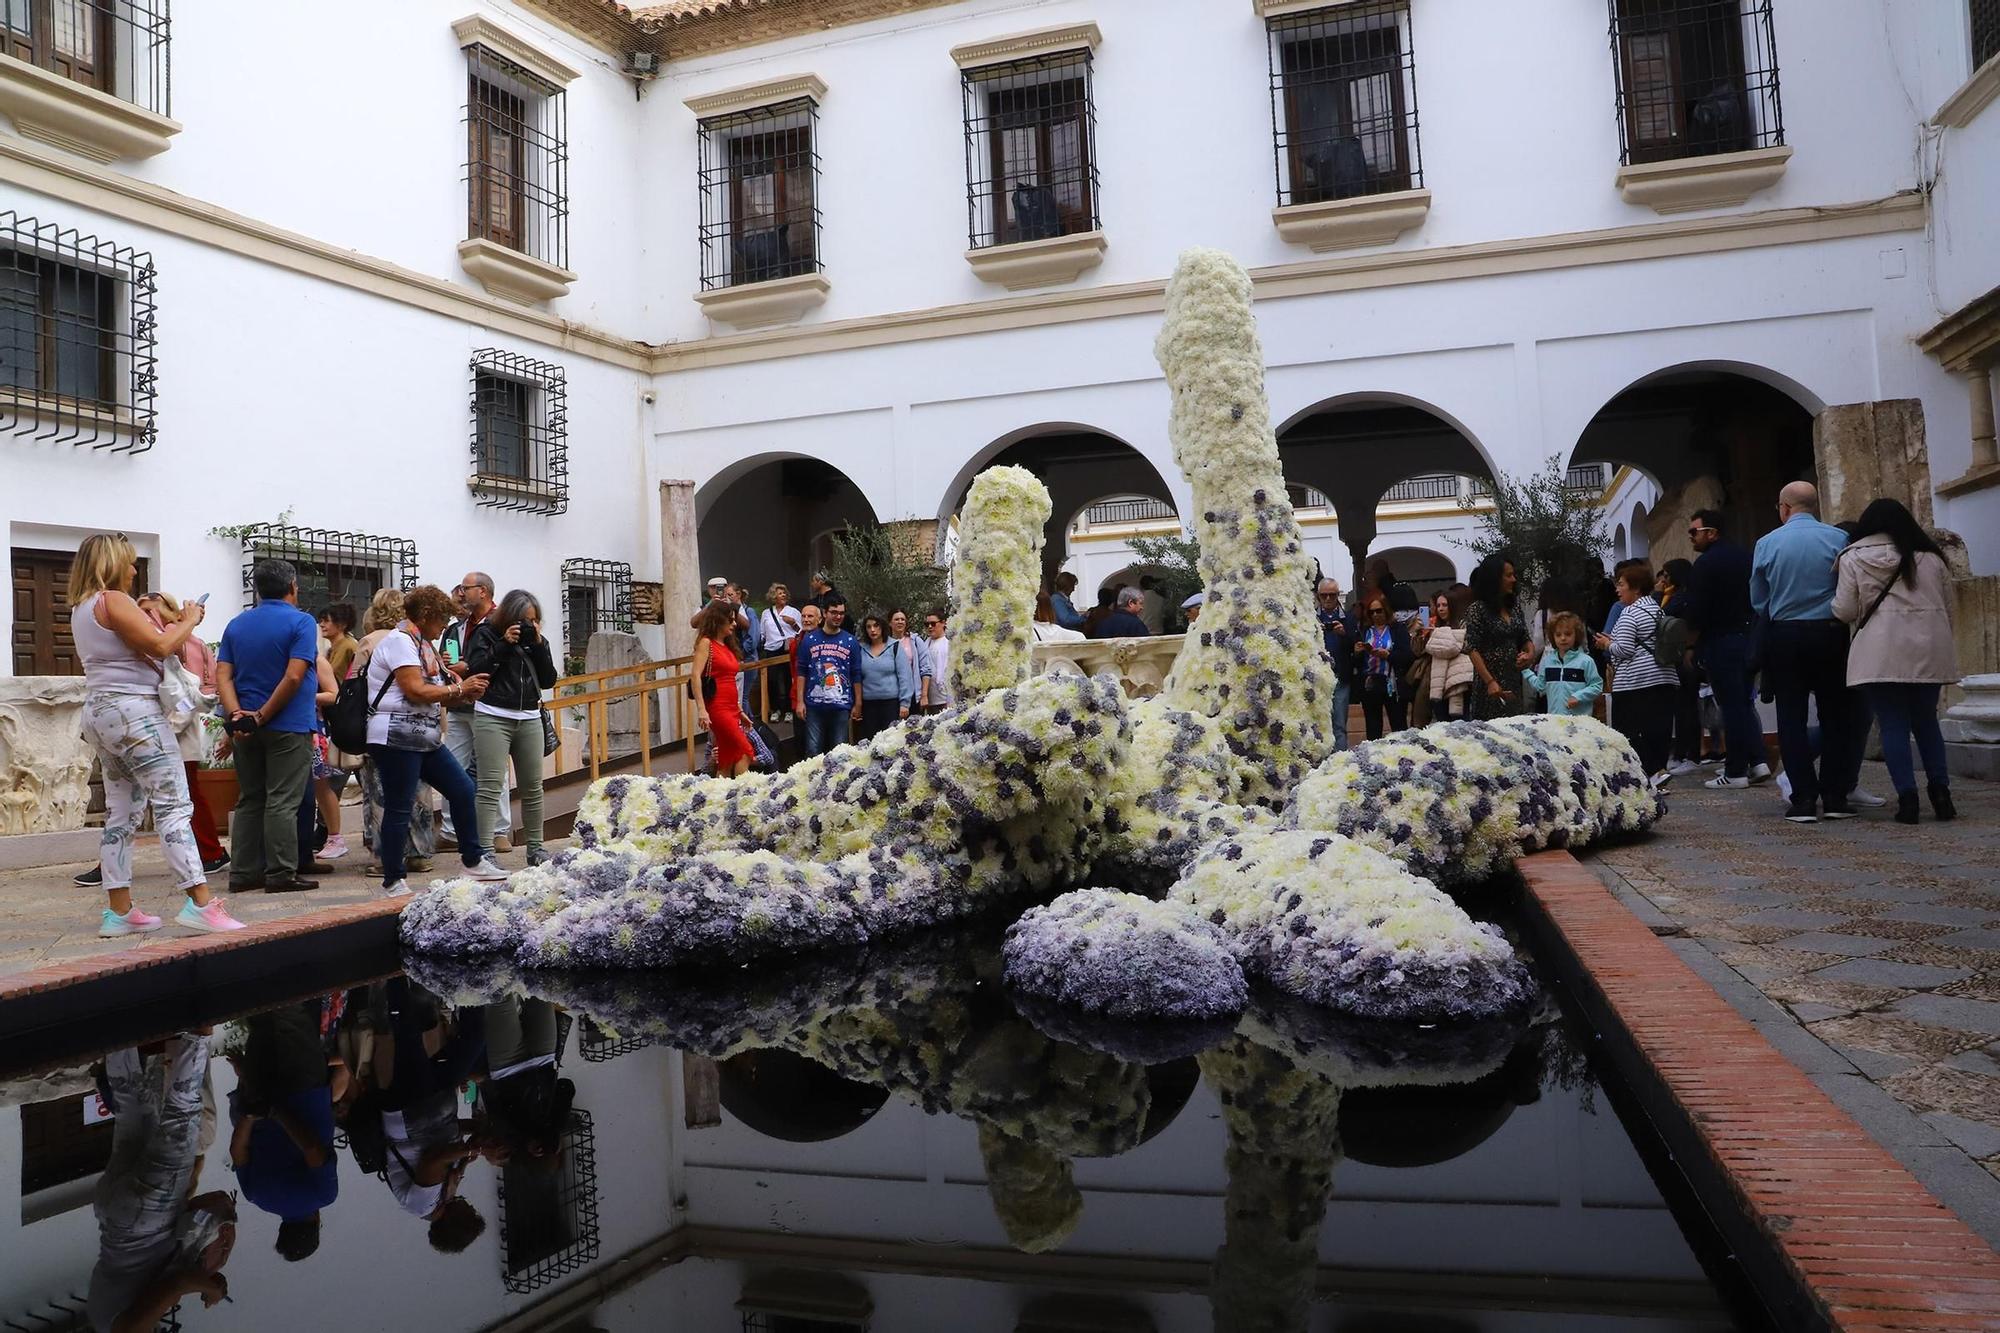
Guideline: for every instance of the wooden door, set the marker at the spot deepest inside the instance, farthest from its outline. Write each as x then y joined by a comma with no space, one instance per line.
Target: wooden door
43,645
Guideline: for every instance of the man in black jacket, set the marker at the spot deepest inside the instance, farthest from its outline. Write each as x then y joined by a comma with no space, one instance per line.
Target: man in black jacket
1340,631
1718,611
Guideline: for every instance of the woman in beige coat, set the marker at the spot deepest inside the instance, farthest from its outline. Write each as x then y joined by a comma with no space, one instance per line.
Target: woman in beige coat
1894,590
1451,669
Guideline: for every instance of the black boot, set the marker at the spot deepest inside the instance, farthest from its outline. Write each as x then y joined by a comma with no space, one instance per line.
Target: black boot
1941,801
1906,807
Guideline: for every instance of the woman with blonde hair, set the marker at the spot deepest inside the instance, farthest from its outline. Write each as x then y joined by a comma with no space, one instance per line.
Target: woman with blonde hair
126,723
385,612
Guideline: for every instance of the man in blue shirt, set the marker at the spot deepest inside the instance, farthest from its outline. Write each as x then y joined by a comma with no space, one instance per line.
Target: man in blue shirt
828,659
281,1124
1805,653
1341,633
260,673
1717,609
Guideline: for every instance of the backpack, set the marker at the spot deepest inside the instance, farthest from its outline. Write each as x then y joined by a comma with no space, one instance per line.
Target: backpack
347,716
1669,641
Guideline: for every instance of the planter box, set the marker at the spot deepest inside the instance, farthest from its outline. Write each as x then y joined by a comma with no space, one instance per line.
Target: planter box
218,790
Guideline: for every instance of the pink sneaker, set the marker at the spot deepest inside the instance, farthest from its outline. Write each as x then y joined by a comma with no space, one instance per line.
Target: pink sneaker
134,922
211,918
336,847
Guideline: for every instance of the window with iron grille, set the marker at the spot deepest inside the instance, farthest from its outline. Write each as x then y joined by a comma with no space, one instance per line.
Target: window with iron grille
597,595
516,158
77,361
548,1211
520,433
1695,78
1030,150
760,194
1985,30
1344,103
599,1046
115,46
333,567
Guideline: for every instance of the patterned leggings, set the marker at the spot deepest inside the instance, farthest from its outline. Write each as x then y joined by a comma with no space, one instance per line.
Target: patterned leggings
142,765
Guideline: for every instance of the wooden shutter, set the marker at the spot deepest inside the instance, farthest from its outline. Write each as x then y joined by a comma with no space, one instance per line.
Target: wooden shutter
1653,110
496,122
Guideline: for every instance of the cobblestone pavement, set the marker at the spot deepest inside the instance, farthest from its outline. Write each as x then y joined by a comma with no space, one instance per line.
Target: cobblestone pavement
1881,939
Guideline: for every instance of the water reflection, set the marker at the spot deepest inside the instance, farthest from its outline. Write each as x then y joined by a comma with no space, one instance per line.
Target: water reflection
872,1124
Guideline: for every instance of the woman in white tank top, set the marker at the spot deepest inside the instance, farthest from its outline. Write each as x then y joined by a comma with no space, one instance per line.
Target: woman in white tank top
122,650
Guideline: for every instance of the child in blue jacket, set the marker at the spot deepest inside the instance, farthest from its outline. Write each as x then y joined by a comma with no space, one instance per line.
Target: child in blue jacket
1567,675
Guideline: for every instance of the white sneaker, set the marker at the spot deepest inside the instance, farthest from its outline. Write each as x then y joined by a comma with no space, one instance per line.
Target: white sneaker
1660,780
488,870
400,889
1865,798
1785,785
1760,772
1723,782
1683,766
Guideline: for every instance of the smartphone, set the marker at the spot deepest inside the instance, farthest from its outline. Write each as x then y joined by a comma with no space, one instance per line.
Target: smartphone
201,600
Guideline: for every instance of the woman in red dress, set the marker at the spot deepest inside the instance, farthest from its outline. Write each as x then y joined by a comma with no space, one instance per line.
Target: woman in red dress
716,705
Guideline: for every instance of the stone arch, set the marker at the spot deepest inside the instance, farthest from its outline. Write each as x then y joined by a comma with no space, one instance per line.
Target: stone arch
790,1098
767,519
1618,542
1638,540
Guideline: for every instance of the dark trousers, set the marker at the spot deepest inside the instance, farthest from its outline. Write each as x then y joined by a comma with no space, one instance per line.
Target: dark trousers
1726,659
877,716
1687,715
418,1075
1452,706
400,771
1807,659
779,690
1646,718
273,771
825,729
1906,712
1376,700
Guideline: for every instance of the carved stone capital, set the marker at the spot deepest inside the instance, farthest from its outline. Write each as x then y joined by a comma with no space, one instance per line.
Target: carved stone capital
44,759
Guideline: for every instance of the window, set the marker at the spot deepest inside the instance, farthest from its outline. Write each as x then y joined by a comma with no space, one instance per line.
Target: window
517,158
333,567
1344,103
77,361
520,431
1985,31
760,194
597,595
1030,150
115,46
548,1210
1695,78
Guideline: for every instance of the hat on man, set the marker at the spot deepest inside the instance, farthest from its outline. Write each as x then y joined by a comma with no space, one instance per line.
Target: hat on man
718,582
1192,602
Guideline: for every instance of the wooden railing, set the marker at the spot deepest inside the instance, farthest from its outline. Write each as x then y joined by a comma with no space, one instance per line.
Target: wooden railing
663,690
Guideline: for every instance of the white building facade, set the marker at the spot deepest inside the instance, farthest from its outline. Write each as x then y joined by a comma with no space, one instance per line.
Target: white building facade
803,264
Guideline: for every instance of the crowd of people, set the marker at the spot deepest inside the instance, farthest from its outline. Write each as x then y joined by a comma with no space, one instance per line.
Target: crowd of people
1837,626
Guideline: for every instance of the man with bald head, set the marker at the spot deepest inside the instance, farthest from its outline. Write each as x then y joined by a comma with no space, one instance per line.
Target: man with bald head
1805,653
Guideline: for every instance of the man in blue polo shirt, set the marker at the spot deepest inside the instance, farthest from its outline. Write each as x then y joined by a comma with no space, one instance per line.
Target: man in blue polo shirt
281,1124
1792,582
828,659
260,672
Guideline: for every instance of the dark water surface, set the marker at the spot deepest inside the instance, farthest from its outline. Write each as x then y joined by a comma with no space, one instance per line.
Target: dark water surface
880,1141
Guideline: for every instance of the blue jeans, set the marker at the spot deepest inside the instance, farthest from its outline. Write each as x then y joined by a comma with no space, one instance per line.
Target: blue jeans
1905,711
400,771
825,728
1726,659
1343,700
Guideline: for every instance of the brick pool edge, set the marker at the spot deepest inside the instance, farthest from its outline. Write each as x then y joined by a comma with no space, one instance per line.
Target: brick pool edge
1834,1231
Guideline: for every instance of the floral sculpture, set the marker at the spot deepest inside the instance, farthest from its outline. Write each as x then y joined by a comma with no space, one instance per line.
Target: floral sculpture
1311,871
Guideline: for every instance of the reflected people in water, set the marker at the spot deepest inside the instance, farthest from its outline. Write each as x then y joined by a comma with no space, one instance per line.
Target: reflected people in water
281,1119
421,1061
158,1242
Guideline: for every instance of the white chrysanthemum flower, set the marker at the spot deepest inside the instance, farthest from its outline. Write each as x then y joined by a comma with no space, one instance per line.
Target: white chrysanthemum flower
994,577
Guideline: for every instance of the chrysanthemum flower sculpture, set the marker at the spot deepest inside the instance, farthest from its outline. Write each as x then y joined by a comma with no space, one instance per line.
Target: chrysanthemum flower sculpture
1312,872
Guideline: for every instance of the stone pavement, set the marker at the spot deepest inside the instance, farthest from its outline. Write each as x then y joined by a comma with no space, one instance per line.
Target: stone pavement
1880,940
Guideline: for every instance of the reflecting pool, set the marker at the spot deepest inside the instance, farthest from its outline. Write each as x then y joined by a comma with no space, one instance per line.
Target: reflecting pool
877,1141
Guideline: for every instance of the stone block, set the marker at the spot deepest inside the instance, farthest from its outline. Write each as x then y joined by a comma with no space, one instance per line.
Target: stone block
1885,972
1865,450
609,650
44,760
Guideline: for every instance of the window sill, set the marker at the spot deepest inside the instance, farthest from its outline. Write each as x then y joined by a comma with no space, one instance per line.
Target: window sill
1975,479
81,120
1973,97
73,416
514,488
1048,263
1688,183
761,305
511,274
1348,224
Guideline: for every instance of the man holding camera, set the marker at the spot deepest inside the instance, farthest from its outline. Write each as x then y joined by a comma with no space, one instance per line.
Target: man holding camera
474,596
260,673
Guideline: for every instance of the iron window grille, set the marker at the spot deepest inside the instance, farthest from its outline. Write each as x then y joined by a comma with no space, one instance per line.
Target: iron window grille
759,175
516,158
1344,103
1695,78
333,567
520,433
1985,31
119,47
597,595
550,1231
78,363
600,1047
1030,150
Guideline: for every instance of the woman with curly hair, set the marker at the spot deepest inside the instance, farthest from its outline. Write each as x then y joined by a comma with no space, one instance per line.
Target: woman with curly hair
717,707
1496,638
